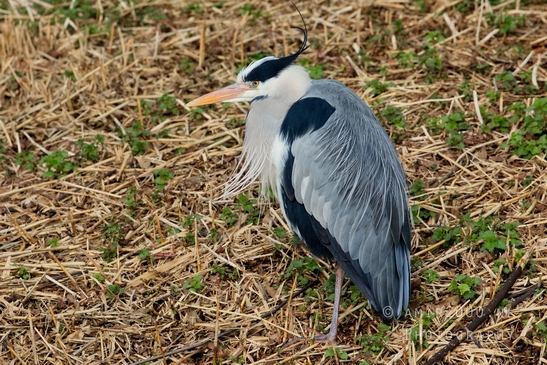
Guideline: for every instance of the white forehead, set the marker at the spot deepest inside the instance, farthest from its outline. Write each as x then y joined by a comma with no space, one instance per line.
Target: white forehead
241,75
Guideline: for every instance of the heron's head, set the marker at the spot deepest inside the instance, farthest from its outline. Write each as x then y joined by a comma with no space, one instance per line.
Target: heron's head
267,77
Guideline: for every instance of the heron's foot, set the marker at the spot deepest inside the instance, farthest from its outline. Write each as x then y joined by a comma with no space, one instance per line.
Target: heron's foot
329,338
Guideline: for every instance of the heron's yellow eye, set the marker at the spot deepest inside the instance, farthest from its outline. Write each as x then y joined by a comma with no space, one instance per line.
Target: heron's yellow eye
255,83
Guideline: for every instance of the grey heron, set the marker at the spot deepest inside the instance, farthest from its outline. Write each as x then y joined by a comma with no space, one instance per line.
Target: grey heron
334,171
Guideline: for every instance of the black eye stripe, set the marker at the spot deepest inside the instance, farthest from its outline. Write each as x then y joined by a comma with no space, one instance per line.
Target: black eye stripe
269,69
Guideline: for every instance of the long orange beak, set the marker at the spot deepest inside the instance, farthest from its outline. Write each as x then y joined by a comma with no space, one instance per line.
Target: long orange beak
226,93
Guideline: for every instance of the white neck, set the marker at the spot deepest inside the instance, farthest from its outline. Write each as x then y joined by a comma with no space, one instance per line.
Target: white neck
263,124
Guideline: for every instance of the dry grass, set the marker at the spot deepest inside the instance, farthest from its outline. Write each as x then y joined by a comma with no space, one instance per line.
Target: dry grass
65,79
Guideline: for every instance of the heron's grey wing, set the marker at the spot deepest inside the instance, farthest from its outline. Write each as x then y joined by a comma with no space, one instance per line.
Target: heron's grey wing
347,178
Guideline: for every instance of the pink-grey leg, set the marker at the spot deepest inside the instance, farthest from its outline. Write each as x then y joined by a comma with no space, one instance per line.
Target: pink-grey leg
331,336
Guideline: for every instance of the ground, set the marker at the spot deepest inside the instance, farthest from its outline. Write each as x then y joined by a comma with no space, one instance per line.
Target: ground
116,246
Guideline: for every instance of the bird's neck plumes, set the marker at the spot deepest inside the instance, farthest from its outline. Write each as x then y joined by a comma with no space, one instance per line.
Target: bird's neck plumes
262,126
260,132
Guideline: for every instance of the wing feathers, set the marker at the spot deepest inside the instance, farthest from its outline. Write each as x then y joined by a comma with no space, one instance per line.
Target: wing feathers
347,176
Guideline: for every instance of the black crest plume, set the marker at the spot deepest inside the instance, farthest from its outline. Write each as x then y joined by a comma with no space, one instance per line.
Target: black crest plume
271,69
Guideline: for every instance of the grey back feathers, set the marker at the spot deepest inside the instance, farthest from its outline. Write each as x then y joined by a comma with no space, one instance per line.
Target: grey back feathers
348,177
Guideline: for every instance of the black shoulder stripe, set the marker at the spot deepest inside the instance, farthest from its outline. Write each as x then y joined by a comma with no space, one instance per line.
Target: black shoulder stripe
287,177
304,116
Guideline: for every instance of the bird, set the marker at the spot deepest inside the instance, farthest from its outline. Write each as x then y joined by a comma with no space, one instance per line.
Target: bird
334,171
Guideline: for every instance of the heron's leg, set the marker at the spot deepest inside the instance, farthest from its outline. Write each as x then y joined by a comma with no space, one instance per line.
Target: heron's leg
331,336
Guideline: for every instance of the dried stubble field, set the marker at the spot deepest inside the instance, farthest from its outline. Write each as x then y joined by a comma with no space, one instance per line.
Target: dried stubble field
115,247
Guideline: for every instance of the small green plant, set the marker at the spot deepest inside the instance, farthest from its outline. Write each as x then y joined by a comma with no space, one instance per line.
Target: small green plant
280,232
377,87
112,234
519,111
90,151
26,159
421,5
430,60
131,201
57,164
466,90
399,27
431,276
235,360
248,205
531,139
506,81
213,236
494,122
187,66
134,135
13,83
541,329
194,285
504,22
157,110
23,273
416,262
251,10
79,9
527,181
149,14
144,254
300,268
465,286
394,116
417,190
336,352
99,277
196,113
179,151
316,71
219,4
492,95
175,291
433,38
492,242
167,105
528,148
454,124
113,291
3,151
162,176
53,242
68,74
373,344
465,6
495,237
406,59
431,64
235,123
426,321
451,235
483,68
188,223
193,7
219,270
225,272
501,263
